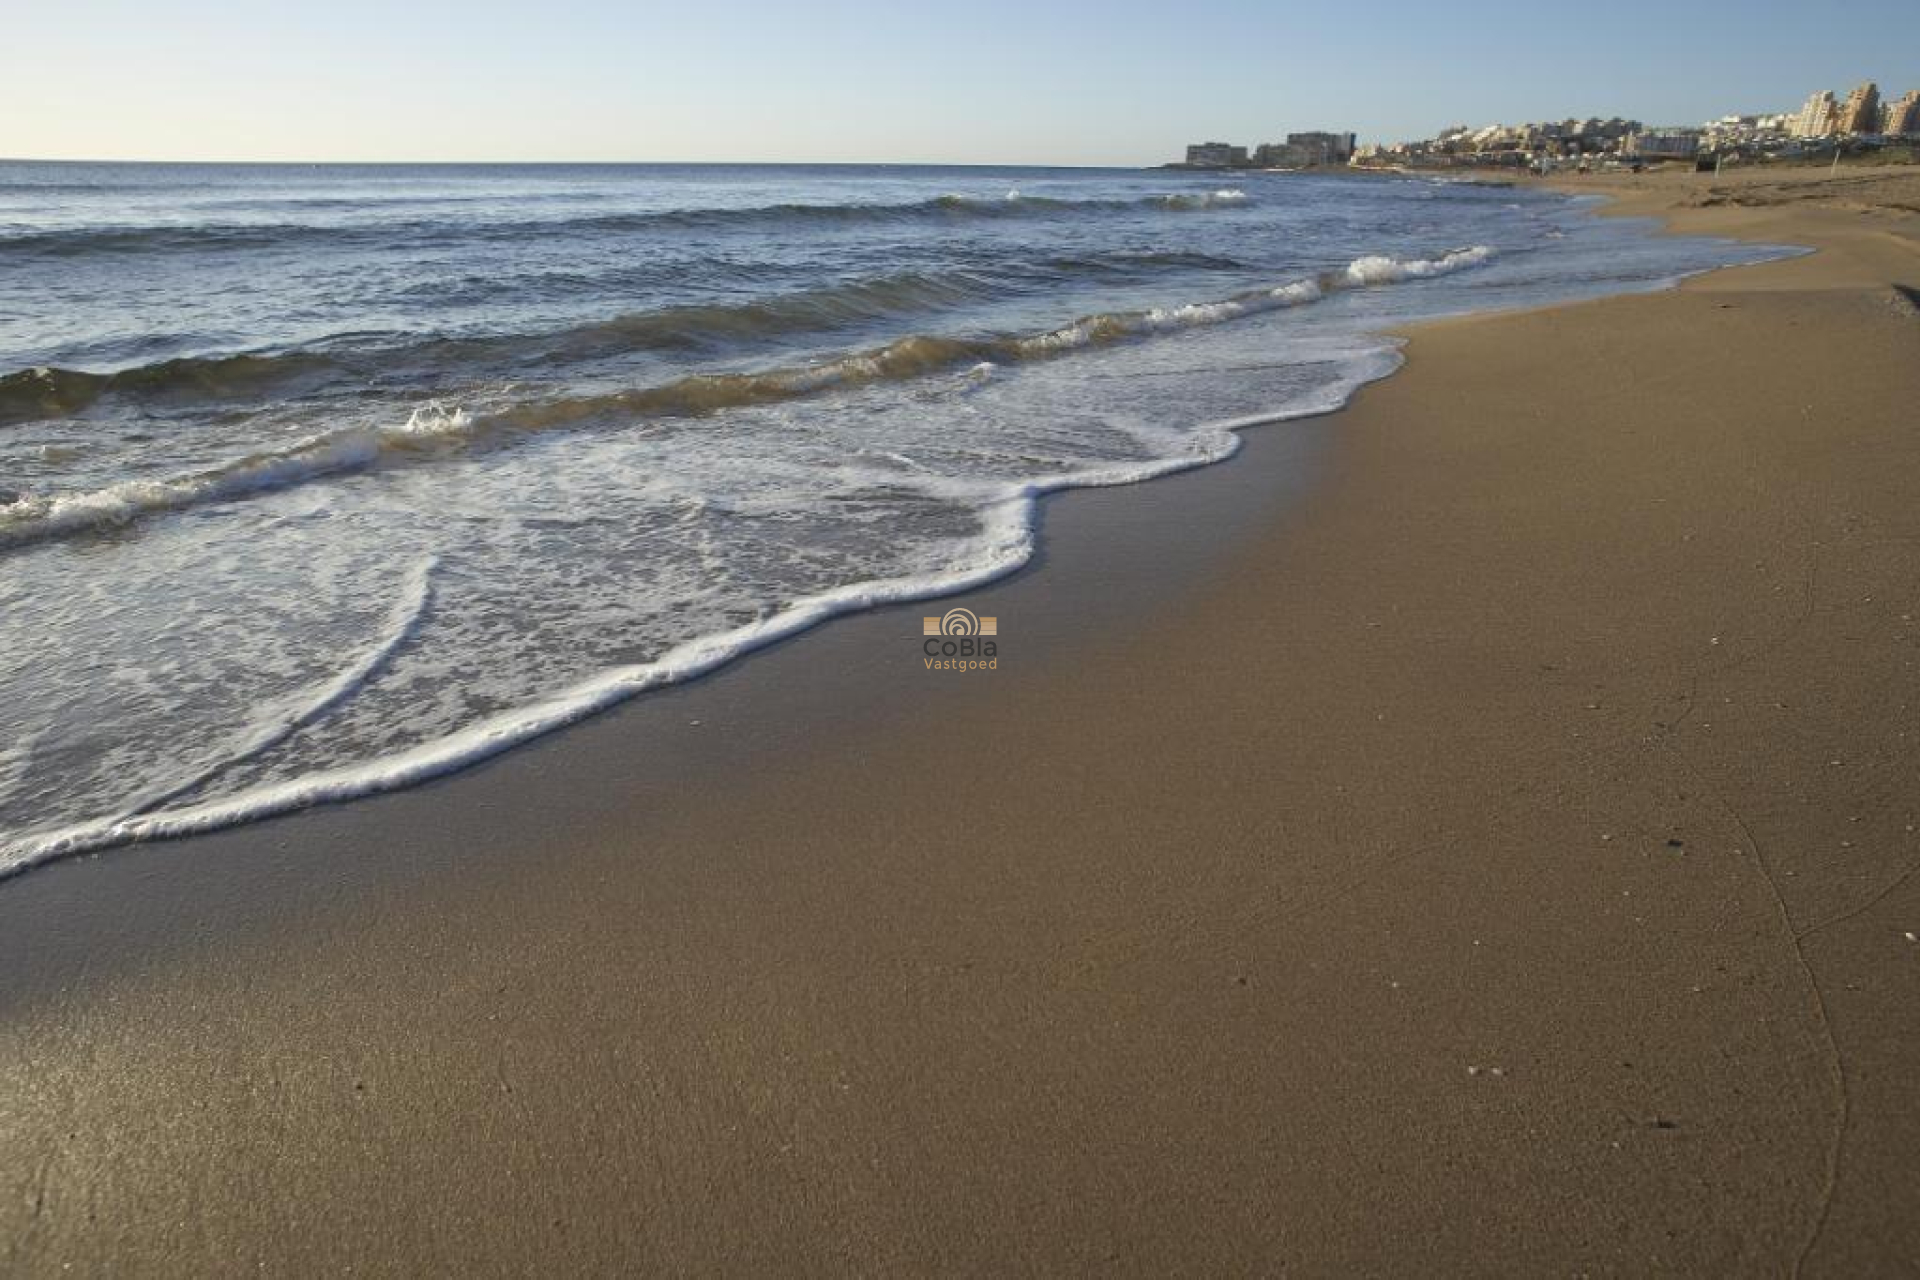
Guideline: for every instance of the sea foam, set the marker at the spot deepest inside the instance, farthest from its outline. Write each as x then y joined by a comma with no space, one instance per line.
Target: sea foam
1005,542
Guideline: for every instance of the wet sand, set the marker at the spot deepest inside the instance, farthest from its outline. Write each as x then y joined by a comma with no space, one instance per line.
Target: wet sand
1471,831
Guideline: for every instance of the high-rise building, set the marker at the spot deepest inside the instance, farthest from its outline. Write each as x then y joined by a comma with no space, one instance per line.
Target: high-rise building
1903,116
1818,118
1861,112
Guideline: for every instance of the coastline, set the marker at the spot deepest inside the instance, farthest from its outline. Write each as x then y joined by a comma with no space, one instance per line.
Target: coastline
1300,893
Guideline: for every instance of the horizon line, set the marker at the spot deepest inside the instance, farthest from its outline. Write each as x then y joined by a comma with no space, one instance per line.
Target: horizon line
848,164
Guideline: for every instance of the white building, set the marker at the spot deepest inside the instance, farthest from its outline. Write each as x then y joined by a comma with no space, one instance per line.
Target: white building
1820,117
1903,115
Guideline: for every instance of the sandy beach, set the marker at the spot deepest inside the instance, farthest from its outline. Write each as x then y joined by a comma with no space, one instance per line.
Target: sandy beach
1473,831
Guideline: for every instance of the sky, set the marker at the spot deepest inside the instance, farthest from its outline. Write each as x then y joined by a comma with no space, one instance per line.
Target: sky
1124,82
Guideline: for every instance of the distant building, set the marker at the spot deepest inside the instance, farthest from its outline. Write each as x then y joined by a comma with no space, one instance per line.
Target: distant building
1747,133
1596,137
1861,111
1903,116
1663,144
1323,148
1820,117
1278,155
1215,155
1592,143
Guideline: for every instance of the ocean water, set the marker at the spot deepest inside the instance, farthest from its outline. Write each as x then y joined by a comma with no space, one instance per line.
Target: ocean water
316,481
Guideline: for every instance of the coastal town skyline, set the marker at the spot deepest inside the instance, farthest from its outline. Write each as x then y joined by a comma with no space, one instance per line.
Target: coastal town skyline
859,83
1860,117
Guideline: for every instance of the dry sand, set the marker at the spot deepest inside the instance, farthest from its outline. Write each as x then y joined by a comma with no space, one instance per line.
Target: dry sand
1496,856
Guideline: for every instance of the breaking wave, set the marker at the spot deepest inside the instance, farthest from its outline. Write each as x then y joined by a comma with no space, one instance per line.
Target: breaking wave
34,518
435,427
50,393
1226,198
47,392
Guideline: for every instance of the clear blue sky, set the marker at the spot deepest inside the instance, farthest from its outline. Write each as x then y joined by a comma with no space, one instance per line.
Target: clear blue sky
1124,82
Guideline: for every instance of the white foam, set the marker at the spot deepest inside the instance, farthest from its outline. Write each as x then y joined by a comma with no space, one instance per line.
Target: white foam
1226,197
1370,271
277,725
978,377
36,517
1294,294
1005,543
1300,291
1377,269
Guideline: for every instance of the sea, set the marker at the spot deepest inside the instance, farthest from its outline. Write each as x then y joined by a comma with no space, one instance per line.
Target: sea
317,481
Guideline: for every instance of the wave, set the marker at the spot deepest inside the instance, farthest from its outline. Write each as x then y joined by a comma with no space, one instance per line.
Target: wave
712,329
435,427
1226,198
50,392
1380,269
46,392
34,518
1376,269
1007,542
250,234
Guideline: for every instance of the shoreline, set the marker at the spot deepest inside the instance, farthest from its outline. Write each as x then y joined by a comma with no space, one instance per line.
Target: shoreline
1010,534
1304,895
1013,522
